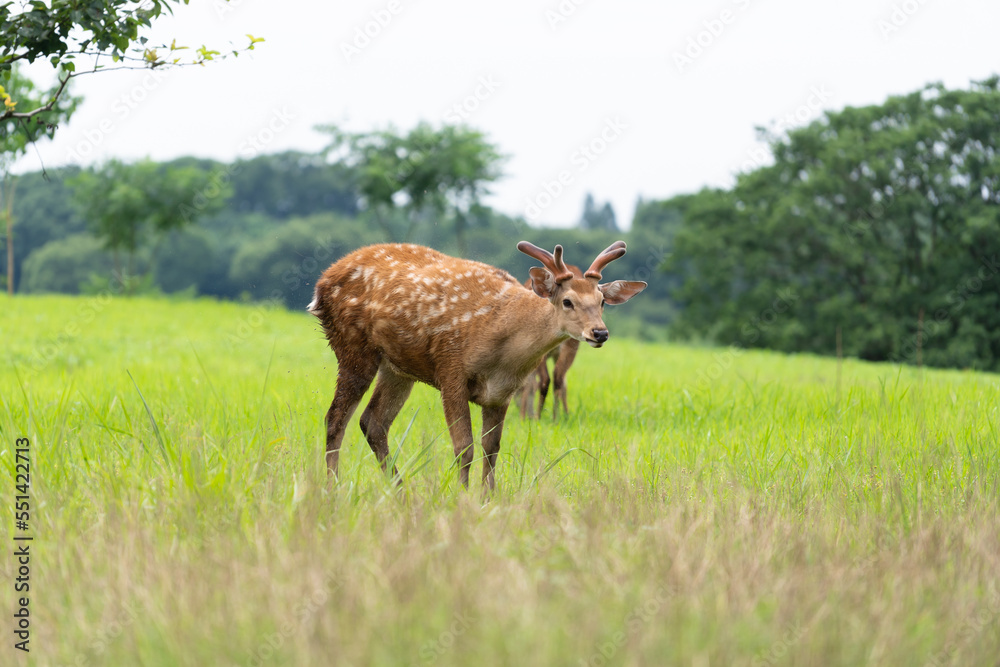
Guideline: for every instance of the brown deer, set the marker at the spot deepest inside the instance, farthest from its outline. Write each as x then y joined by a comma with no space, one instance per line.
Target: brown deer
408,313
539,381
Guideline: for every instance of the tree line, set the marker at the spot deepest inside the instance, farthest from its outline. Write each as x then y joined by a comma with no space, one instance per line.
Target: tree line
876,231
265,228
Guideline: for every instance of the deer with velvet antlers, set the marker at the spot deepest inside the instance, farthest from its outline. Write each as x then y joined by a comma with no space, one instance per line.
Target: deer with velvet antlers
407,313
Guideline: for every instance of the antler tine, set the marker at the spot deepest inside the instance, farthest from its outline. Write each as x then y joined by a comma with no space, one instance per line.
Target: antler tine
562,271
610,254
531,250
553,263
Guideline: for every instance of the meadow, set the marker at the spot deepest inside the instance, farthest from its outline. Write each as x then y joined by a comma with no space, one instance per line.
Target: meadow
699,506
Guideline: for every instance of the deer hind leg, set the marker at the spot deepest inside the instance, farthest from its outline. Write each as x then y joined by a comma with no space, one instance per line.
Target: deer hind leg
391,391
493,417
354,375
567,353
456,413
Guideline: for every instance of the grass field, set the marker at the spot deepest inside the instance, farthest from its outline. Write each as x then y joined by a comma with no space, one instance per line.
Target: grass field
698,507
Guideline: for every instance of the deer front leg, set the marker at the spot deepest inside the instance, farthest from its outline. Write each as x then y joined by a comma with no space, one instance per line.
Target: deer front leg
456,412
542,373
493,417
526,403
567,353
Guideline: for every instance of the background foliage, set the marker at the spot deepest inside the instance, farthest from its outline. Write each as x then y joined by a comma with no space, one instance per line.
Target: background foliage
879,224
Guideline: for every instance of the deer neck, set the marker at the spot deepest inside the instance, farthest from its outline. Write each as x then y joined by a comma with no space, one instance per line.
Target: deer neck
538,332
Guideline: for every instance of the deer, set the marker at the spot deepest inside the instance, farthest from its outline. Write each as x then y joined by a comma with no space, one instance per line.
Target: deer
407,313
562,357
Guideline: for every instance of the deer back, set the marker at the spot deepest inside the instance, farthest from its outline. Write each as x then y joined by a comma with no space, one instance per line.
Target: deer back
430,315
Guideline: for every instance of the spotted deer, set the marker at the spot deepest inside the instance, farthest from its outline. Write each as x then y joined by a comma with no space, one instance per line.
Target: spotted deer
407,313
562,357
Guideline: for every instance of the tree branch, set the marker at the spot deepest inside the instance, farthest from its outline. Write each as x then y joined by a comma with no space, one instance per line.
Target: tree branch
41,109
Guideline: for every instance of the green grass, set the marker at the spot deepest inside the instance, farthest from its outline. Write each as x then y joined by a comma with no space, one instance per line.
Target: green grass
699,506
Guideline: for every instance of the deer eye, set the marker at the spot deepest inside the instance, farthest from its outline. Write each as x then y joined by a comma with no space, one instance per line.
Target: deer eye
567,304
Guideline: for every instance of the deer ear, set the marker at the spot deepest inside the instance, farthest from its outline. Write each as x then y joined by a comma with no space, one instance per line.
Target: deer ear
621,291
542,282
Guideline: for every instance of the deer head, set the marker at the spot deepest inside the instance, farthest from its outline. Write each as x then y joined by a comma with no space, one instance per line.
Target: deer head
579,302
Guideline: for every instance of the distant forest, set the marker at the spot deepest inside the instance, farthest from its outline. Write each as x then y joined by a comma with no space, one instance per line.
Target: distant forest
286,218
873,231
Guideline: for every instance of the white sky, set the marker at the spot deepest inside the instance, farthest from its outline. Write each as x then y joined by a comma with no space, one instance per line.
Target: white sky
608,68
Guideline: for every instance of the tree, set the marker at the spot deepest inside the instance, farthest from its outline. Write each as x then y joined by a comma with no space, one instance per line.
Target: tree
44,212
64,265
428,171
16,134
598,218
186,260
882,221
293,184
93,31
126,203
284,267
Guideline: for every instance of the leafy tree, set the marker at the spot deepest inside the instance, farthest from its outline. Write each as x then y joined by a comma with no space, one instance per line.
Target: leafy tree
127,203
284,266
650,243
92,31
43,210
293,184
882,221
65,265
598,218
427,172
16,134
46,210
188,259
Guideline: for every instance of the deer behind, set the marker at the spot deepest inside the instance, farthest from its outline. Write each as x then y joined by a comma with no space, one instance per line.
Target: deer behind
538,382
407,313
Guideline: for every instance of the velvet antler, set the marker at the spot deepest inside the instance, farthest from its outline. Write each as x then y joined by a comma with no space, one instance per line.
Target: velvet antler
554,264
610,254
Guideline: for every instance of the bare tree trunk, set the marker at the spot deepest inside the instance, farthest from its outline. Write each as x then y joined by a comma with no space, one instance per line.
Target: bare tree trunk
920,338
131,270
8,202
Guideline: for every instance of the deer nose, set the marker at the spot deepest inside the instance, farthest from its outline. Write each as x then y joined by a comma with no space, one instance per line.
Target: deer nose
601,335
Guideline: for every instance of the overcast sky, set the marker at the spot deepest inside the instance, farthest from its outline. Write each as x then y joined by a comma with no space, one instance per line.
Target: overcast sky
624,99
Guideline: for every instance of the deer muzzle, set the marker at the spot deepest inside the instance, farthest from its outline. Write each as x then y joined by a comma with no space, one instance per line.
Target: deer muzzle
598,337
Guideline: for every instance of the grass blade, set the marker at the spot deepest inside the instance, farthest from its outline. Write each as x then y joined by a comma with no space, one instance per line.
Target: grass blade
152,420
